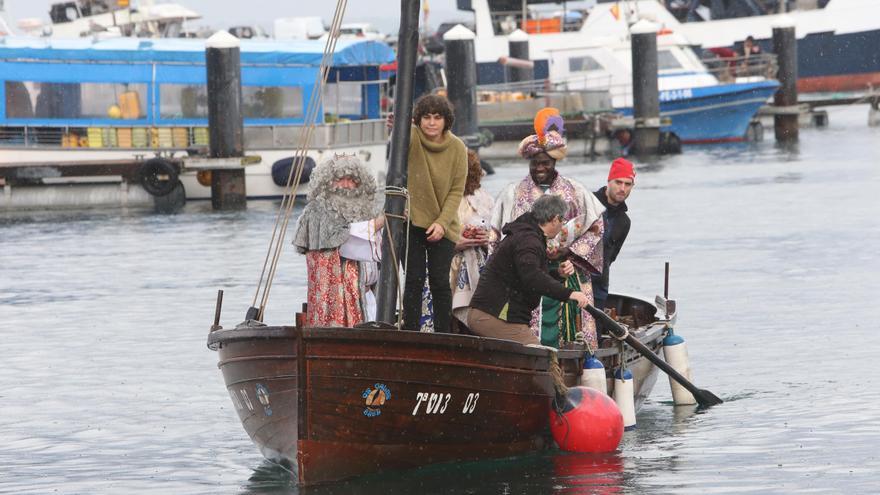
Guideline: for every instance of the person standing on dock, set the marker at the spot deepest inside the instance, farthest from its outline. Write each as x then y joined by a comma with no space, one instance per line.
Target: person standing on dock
517,275
621,179
553,321
340,234
436,174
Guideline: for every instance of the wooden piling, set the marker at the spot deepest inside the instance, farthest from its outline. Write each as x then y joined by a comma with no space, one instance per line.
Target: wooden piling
785,123
518,47
646,96
225,120
461,76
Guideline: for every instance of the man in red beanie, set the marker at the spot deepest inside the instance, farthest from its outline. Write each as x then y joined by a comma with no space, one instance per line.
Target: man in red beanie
621,179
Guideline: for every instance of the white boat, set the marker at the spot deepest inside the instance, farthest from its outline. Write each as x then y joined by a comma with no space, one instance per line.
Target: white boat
593,52
111,18
838,42
120,99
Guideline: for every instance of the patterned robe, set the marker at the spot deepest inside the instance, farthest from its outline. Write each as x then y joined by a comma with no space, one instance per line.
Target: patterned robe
553,321
340,279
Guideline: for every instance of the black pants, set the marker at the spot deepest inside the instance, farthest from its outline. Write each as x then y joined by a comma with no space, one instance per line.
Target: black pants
439,255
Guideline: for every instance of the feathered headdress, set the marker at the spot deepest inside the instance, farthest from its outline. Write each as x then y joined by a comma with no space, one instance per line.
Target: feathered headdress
549,128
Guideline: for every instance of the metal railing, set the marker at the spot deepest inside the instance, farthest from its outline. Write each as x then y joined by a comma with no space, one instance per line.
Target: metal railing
356,132
730,68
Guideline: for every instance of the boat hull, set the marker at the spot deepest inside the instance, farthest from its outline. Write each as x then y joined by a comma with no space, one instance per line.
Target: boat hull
838,53
333,403
713,114
258,177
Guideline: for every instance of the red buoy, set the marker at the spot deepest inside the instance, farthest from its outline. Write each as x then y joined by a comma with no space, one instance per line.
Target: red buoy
589,422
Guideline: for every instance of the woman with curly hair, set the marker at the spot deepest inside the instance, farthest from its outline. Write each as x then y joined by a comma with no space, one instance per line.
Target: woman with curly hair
475,213
436,175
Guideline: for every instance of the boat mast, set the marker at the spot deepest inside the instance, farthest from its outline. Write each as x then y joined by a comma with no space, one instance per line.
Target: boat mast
395,227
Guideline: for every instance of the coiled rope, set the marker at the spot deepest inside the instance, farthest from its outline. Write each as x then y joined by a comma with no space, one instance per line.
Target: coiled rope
398,191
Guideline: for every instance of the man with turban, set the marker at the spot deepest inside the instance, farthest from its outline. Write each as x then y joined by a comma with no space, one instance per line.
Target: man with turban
553,321
340,234
621,179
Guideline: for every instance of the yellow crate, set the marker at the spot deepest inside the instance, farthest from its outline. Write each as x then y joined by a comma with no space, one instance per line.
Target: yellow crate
95,137
164,137
108,134
180,137
124,137
139,137
201,137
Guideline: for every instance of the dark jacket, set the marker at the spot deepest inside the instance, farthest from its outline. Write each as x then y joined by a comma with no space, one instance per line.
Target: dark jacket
516,274
616,229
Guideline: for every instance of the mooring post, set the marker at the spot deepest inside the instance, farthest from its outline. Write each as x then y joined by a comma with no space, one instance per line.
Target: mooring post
646,96
785,123
461,77
225,124
518,47
874,112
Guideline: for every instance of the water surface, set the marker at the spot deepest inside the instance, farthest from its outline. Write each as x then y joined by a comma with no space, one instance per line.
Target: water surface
107,386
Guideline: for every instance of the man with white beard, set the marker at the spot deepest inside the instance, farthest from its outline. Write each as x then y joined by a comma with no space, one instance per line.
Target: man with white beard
339,231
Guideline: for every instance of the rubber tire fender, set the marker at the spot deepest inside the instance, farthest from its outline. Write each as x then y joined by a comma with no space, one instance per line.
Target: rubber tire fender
151,173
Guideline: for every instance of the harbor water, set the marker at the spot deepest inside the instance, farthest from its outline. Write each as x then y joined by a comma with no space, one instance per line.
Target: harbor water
107,386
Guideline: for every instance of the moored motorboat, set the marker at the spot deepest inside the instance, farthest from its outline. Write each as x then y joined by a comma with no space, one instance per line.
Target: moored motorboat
701,105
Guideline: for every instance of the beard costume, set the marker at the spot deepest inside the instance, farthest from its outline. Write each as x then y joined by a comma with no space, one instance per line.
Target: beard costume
341,244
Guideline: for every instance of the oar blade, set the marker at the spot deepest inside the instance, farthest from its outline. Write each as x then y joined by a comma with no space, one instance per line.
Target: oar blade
706,398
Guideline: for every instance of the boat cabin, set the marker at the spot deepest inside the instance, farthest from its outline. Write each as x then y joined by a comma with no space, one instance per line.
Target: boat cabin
134,93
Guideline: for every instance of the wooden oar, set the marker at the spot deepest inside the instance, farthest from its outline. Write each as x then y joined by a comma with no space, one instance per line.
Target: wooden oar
704,397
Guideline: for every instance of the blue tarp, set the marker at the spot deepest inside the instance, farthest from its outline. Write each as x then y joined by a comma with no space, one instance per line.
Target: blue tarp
137,50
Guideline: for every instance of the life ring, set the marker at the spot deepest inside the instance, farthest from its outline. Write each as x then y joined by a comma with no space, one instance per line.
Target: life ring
158,176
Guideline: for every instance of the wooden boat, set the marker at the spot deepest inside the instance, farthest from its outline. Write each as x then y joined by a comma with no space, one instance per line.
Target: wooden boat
333,403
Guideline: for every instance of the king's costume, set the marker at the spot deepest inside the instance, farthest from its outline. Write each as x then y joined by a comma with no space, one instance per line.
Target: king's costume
338,235
555,322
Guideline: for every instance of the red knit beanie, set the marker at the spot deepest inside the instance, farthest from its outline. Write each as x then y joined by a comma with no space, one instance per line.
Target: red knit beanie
621,169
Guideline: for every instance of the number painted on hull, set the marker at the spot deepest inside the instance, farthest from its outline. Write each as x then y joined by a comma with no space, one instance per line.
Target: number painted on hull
438,403
470,403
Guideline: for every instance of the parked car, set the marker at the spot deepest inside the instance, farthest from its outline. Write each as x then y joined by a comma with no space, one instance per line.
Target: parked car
360,30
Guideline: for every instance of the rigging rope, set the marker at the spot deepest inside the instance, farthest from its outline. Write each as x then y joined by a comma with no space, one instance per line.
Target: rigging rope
282,219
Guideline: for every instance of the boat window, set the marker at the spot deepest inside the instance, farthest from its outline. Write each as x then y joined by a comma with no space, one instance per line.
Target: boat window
40,100
666,60
343,98
190,101
63,12
271,102
183,101
583,64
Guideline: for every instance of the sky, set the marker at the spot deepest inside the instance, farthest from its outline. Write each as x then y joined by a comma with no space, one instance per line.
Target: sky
383,14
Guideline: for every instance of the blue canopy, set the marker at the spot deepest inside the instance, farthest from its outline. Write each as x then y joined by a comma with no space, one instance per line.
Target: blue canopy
136,50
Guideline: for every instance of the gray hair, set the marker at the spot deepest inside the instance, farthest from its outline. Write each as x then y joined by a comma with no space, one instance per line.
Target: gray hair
548,207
